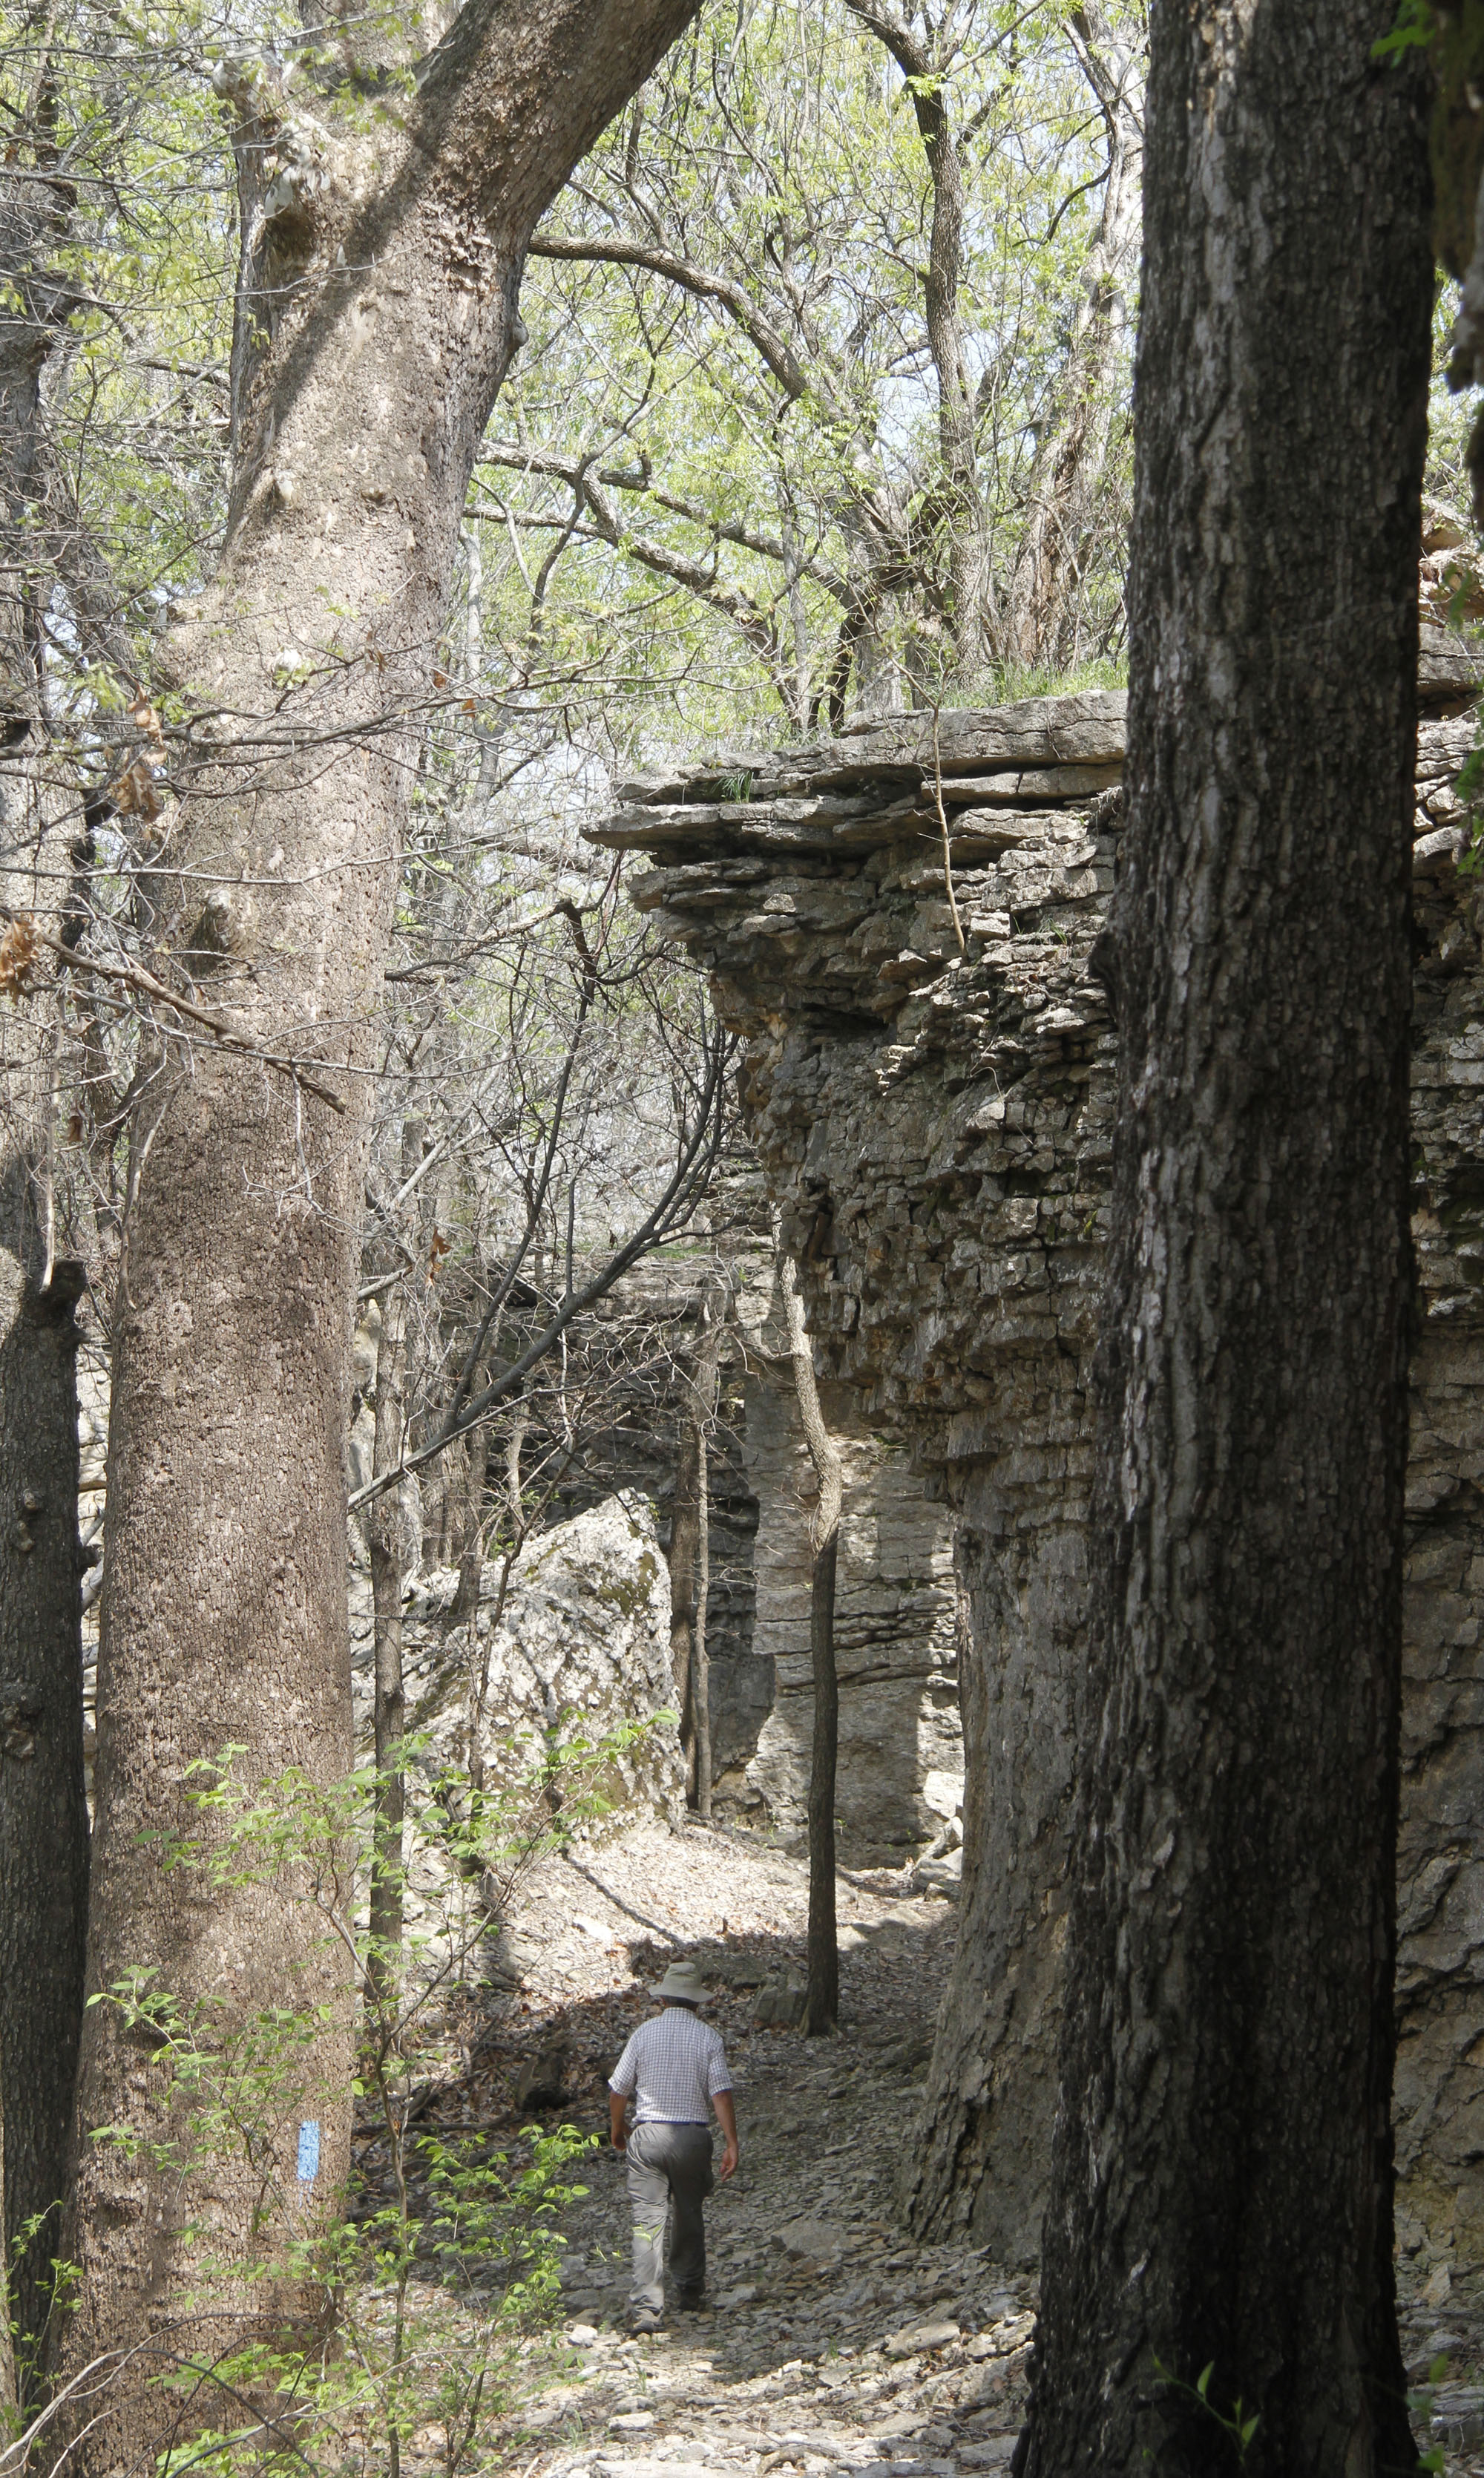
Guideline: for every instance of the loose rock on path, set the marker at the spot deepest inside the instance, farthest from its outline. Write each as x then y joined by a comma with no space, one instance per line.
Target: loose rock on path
835,2343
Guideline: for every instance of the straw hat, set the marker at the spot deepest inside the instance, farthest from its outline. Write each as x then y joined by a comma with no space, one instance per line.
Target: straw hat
683,1980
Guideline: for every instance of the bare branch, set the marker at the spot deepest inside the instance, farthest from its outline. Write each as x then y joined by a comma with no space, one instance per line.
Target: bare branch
705,286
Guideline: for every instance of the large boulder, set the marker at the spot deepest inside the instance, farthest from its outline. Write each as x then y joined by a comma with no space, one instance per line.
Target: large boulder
579,1648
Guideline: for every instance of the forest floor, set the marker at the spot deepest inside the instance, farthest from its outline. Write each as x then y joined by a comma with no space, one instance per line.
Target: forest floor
835,2343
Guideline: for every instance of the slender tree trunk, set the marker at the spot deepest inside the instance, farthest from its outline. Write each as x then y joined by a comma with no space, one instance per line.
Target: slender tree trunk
963,508
703,1396
1073,446
471,1585
464,1611
386,1539
822,2001
684,1585
700,1691
382,259
1221,2182
822,2004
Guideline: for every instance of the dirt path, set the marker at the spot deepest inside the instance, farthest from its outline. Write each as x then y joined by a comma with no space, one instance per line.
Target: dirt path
835,2343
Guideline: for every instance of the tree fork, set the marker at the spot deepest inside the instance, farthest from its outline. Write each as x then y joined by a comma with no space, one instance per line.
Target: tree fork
1222,2191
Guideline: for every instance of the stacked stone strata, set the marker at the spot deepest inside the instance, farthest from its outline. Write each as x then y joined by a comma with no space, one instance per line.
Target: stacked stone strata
905,926
902,1759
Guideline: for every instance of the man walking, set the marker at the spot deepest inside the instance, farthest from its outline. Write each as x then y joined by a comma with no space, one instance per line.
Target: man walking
672,2067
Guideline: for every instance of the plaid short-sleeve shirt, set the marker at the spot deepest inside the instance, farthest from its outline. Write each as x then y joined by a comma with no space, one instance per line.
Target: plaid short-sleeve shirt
671,2067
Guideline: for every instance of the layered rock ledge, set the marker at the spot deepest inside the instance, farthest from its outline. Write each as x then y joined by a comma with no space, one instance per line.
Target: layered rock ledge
904,923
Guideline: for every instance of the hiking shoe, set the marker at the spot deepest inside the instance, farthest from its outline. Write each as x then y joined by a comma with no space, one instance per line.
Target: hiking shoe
645,2321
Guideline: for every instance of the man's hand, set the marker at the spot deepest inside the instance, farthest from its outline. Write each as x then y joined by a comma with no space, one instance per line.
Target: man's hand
617,2106
726,2118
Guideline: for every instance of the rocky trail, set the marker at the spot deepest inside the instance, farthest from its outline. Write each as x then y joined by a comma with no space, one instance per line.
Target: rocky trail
834,2343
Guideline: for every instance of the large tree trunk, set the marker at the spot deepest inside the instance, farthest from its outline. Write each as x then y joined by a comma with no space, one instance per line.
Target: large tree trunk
7,2400
382,261
1221,2165
6,2343
44,1814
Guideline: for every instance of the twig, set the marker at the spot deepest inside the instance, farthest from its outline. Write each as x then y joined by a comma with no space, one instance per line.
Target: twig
942,821
135,978
659,1224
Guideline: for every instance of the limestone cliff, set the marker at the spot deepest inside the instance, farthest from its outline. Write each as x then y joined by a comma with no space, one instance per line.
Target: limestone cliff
905,925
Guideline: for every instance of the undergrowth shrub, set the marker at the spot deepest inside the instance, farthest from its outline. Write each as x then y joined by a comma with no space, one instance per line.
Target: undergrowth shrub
428,2296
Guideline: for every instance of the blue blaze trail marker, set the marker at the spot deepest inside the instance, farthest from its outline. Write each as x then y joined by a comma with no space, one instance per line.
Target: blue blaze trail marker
308,2153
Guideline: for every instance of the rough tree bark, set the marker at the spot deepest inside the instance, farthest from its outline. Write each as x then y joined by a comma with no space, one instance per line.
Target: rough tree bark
1222,2168
6,2351
44,1815
382,258
821,1996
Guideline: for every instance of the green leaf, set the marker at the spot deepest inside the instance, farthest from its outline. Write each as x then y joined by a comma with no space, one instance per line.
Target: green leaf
1411,30
1204,2377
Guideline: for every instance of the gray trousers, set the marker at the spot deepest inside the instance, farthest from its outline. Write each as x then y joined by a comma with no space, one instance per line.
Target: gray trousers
668,2166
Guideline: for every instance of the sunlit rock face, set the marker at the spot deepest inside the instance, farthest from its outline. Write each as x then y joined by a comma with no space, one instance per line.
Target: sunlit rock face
896,1620
574,1651
929,1077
